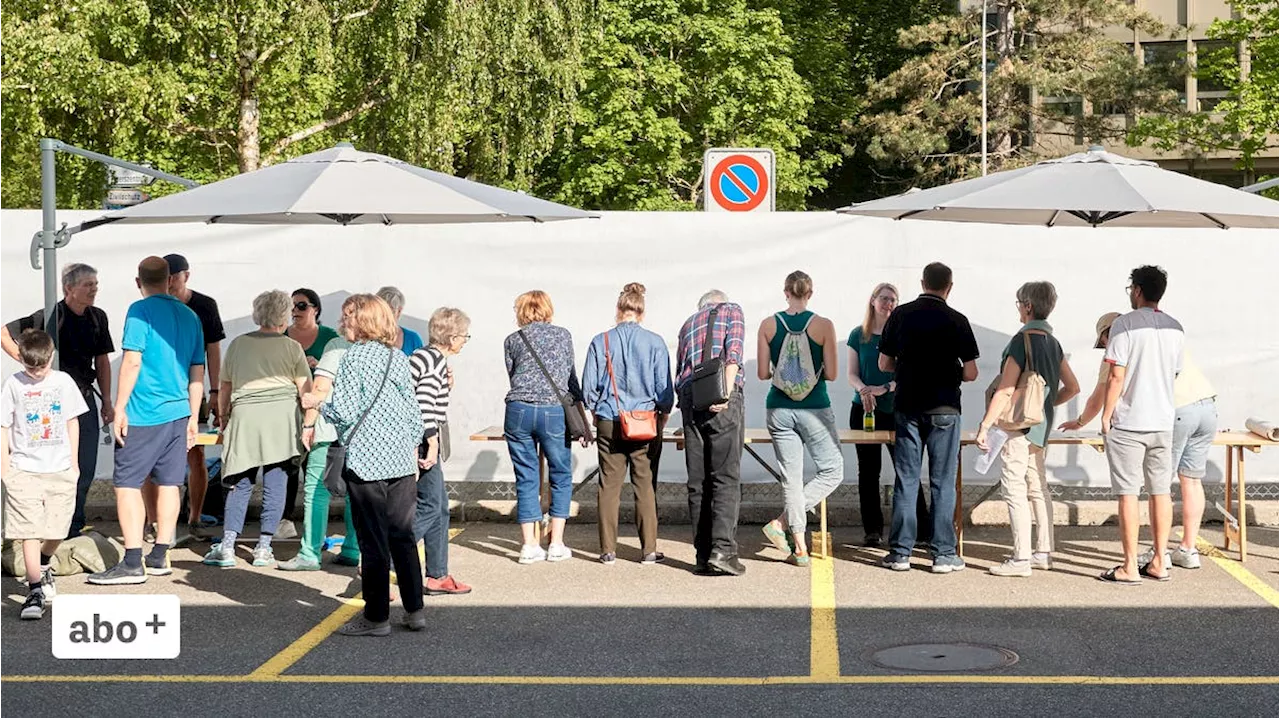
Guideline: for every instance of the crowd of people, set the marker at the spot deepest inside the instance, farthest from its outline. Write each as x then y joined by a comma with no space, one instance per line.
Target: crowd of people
362,412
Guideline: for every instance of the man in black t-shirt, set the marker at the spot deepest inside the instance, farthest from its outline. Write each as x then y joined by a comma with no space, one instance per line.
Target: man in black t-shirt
931,349
206,310
83,340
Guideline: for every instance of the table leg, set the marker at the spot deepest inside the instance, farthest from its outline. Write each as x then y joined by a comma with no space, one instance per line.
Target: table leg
959,515
1229,470
1244,539
823,539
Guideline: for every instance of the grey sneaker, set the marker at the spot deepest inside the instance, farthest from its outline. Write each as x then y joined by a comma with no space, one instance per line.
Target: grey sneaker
558,552
948,564
203,531
298,564
263,556
1149,553
119,575
361,626
608,559
532,553
157,565
415,620
1180,557
1042,562
652,558
33,608
1009,568
51,591
895,563
286,530
218,556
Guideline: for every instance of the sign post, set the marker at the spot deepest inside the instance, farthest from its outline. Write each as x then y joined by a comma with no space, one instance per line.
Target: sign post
738,180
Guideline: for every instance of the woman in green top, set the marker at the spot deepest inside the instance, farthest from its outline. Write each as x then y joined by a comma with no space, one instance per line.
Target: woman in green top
796,349
874,393
307,329
263,375
1023,483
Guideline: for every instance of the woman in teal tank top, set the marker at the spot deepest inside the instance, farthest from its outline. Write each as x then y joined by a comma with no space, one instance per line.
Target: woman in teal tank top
797,353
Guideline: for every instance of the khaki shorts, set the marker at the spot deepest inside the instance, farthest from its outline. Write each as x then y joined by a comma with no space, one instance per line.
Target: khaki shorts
39,506
1138,457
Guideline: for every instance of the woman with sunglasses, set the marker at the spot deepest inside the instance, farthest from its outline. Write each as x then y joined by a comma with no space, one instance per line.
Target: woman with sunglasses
307,329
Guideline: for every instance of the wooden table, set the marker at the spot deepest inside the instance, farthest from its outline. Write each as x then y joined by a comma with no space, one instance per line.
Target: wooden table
1236,442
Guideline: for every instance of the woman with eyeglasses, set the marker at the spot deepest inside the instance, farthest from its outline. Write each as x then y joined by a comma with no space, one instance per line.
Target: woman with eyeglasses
307,329
432,381
874,396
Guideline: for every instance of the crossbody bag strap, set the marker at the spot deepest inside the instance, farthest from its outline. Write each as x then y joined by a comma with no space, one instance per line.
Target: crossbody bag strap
351,437
543,367
711,325
608,362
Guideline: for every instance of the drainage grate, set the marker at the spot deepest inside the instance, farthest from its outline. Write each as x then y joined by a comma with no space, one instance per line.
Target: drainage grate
945,657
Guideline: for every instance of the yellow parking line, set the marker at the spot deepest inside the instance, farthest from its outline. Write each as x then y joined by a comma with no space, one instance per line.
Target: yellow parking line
1238,572
668,680
824,647
294,652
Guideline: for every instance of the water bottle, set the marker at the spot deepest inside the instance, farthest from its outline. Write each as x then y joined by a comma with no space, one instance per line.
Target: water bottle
869,421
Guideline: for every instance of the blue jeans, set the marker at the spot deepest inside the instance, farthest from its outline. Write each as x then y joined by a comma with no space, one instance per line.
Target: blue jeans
528,429
431,521
939,434
88,459
793,431
274,480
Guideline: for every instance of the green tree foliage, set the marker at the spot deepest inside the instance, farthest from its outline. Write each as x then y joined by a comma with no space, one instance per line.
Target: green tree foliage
1246,121
664,81
1049,63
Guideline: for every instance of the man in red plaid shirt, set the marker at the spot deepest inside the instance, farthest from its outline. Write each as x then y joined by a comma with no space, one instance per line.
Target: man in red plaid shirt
713,438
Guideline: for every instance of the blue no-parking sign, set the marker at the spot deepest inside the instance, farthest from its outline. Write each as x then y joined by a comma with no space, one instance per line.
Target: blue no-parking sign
738,180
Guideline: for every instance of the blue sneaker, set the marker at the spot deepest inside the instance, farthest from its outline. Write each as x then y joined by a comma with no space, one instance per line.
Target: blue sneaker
895,563
947,564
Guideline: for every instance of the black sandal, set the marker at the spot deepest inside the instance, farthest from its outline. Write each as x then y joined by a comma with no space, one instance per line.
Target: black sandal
1109,576
1146,572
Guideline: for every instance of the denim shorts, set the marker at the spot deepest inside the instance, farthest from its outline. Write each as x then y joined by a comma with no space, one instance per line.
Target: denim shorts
1193,432
157,451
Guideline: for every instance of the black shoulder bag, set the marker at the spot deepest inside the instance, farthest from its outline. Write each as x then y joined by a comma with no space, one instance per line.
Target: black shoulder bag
336,457
708,386
575,422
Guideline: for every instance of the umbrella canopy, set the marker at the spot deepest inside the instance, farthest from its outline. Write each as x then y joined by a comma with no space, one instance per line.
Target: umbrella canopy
343,185
1094,188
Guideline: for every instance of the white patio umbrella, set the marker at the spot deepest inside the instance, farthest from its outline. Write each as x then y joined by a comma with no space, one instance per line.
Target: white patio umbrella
342,185
1093,188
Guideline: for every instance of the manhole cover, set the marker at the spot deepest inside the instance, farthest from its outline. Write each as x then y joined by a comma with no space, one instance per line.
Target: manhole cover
944,657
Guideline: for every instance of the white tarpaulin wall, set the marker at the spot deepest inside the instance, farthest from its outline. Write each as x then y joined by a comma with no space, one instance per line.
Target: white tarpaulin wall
1222,288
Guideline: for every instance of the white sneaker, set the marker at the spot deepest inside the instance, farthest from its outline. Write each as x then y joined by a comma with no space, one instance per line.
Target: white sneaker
1042,561
1149,554
1011,568
558,552
532,553
1180,557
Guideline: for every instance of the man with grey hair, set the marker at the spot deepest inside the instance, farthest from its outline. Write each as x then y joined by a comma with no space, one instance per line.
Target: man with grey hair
83,339
410,341
713,436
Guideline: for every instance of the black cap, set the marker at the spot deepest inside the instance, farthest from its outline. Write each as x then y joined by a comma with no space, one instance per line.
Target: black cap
177,263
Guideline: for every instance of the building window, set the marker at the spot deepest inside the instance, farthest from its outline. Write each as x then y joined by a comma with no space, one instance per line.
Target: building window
1168,61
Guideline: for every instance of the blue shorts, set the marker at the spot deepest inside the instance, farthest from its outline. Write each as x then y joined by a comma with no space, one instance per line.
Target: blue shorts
157,451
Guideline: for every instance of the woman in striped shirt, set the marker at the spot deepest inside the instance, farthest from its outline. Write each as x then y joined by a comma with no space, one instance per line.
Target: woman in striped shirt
432,381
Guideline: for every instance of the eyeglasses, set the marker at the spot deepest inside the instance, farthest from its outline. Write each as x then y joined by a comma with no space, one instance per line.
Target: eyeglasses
887,300
1128,289
302,306
462,336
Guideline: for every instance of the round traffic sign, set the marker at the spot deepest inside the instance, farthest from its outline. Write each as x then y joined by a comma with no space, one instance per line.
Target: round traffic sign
739,183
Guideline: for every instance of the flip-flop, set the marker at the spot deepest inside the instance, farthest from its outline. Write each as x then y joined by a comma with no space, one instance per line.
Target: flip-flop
1147,573
1109,576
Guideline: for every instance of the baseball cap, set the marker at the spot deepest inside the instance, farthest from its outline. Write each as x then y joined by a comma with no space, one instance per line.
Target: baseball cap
177,263
1104,323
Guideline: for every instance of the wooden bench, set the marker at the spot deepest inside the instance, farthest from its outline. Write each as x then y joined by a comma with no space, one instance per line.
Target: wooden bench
1236,442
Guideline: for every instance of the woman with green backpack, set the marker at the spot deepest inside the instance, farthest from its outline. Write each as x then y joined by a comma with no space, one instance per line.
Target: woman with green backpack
797,353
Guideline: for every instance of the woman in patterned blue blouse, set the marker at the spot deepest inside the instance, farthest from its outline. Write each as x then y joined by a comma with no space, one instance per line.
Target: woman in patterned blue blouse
382,460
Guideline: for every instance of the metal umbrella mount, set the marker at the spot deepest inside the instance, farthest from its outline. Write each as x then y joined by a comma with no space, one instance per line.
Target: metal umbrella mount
1089,189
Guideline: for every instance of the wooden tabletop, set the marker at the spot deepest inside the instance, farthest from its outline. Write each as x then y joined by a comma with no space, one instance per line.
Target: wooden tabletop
848,436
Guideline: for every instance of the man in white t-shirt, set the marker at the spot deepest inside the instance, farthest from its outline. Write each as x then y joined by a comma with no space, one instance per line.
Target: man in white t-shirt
1145,354
39,446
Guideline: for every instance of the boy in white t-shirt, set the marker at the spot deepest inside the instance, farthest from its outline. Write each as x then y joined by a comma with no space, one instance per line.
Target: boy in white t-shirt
39,442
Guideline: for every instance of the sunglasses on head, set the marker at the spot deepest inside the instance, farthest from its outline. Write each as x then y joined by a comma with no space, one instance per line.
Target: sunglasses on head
302,306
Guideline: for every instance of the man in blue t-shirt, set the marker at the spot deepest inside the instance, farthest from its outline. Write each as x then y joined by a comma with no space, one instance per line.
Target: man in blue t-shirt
160,388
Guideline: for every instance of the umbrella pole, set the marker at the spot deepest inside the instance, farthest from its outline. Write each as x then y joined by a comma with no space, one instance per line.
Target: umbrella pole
48,231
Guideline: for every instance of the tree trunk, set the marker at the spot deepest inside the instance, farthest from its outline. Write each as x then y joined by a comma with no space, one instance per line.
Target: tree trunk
248,137
1000,110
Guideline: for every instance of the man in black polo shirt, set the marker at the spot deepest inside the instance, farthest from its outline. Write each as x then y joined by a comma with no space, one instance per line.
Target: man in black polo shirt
206,310
83,340
931,348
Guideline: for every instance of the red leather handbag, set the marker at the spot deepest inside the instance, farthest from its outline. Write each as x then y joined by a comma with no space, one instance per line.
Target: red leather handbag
640,425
